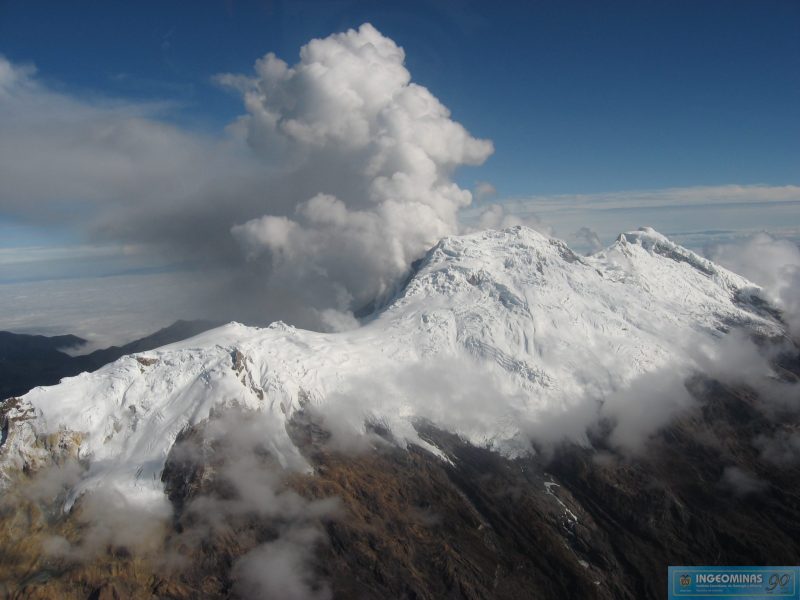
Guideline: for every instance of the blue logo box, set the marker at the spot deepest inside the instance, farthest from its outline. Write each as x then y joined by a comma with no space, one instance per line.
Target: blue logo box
728,583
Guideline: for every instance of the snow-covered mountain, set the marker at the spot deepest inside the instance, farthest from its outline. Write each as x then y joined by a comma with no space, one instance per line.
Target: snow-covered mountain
493,331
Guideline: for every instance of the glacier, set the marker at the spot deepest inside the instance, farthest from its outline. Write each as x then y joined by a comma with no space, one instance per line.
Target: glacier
493,332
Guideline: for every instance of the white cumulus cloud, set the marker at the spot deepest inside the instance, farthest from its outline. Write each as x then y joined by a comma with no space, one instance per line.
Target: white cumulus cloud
337,176
382,150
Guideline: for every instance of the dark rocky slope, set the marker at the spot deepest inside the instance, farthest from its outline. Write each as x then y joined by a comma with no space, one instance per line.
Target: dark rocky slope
577,523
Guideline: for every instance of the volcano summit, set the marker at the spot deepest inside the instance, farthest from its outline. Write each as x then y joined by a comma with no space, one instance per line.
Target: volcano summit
506,357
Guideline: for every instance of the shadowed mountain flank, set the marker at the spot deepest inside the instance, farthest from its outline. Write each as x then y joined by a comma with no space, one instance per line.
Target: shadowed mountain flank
27,361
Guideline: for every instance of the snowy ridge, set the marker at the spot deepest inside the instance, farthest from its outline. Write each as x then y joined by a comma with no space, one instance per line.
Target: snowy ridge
512,320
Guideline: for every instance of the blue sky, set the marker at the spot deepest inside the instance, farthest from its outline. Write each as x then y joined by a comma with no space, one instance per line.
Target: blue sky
682,115
578,97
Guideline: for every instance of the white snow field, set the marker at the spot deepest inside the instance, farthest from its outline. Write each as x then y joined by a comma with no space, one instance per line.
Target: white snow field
494,330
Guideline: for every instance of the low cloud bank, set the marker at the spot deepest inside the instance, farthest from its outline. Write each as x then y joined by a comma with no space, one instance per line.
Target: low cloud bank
463,395
773,264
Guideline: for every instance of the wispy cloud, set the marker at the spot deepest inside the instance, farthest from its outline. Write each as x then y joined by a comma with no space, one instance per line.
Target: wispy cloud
693,216
662,198
18,256
771,263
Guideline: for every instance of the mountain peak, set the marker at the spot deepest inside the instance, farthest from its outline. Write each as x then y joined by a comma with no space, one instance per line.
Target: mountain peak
503,327
653,243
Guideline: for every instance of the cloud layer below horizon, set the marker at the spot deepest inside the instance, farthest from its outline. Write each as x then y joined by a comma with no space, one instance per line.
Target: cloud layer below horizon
312,204
696,217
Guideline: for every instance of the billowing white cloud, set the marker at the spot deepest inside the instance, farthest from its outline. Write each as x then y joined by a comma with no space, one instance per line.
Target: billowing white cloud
382,151
318,199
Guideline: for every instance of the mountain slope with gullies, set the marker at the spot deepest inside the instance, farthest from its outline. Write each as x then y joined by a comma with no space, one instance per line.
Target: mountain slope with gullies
473,438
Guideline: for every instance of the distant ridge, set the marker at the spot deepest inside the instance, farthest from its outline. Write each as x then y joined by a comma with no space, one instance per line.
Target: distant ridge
27,361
